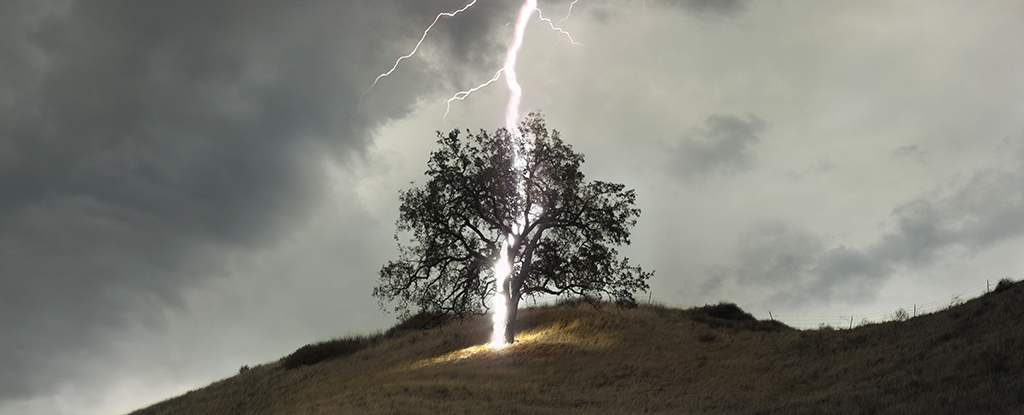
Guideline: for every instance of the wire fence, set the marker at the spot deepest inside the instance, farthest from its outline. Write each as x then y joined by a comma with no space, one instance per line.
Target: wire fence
847,321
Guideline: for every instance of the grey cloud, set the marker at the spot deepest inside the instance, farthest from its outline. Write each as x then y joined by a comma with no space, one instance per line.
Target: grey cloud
142,143
819,167
468,38
911,151
799,266
711,7
777,251
610,10
721,147
988,208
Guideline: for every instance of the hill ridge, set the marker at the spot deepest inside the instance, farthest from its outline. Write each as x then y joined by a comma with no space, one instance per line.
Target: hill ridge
573,358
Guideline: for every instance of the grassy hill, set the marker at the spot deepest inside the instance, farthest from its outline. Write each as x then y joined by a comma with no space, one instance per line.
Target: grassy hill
573,359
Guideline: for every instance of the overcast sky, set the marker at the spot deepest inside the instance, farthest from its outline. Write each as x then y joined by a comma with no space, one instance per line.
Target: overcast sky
187,187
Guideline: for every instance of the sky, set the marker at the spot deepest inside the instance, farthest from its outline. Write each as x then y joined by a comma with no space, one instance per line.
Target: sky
188,187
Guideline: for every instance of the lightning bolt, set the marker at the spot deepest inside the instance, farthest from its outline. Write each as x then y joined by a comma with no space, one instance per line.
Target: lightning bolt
510,58
558,29
570,11
503,267
516,91
411,53
461,95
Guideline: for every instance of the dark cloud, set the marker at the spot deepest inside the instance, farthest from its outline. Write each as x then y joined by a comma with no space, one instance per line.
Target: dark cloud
468,40
986,209
801,267
141,143
798,265
721,147
711,8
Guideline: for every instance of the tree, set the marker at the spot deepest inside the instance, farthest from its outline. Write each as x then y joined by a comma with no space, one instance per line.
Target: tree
523,193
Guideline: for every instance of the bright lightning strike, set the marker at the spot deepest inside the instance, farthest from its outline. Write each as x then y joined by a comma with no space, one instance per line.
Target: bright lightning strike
462,95
510,60
503,268
516,91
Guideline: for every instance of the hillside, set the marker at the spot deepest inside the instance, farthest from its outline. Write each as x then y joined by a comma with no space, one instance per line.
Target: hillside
573,359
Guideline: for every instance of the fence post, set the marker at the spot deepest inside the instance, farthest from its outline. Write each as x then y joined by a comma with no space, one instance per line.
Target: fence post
771,316
851,322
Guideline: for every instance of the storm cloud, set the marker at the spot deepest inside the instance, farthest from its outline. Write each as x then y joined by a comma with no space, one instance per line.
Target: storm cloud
722,146
187,187
711,7
143,143
966,217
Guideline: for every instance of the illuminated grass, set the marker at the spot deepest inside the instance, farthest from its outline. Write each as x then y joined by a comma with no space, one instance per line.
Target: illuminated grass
533,344
577,360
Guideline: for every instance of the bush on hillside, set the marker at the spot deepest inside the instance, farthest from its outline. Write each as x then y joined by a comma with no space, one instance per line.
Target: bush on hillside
726,314
725,311
314,353
573,301
900,315
420,321
1004,285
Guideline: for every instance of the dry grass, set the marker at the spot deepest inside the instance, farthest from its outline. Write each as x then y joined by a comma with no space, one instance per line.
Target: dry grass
577,360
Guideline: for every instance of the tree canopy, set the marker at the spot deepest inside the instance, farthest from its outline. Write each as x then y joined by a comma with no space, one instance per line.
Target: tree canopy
520,191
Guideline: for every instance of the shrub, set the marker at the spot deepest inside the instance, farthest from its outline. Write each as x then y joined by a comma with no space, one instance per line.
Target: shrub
573,301
421,321
725,311
1004,284
314,353
954,302
732,316
900,315
770,325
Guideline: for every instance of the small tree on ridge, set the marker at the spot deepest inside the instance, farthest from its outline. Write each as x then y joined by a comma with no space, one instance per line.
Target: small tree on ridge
563,229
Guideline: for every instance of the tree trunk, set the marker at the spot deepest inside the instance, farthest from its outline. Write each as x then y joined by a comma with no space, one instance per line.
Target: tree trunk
510,319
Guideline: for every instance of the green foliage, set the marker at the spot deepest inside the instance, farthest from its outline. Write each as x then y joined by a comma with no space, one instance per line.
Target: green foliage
458,221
